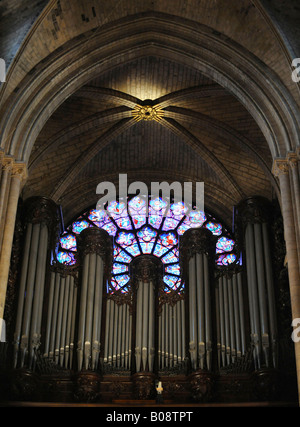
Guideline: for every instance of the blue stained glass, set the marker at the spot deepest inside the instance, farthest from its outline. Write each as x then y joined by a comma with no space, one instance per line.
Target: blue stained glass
98,215
178,210
172,281
159,250
124,223
66,258
117,209
122,279
197,218
168,239
146,247
110,228
125,239
173,269
138,220
116,286
119,268
68,241
224,244
170,217
155,220
147,234
170,257
226,259
134,249
120,255
215,228
170,224
183,227
157,206
78,226
136,204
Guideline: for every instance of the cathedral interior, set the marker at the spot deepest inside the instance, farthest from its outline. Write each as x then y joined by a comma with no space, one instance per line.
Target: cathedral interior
99,305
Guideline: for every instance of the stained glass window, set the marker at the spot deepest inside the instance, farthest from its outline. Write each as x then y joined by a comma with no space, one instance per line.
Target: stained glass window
146,227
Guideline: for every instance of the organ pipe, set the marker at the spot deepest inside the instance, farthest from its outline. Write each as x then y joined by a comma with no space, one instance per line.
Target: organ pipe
120,327
230,316
41,217
95,248
60,327
197,248
171,339
253,214
145,271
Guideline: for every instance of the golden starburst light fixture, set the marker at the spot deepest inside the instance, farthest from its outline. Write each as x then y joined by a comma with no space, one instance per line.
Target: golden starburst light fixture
147,112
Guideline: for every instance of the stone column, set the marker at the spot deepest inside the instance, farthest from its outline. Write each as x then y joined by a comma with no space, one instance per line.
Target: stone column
253,216
293,160
197,250
281,169
41,226
13,176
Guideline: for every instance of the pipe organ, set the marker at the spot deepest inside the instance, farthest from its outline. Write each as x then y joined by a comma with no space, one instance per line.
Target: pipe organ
254,217
118,336
61,316
230,320
196,249
171,330
95,249
40,222
66,316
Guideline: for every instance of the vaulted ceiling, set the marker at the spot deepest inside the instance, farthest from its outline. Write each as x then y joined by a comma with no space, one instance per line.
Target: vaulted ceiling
205,132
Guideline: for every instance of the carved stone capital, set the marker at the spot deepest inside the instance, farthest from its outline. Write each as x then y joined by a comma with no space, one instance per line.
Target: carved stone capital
293,160
280,167
7,163
19,170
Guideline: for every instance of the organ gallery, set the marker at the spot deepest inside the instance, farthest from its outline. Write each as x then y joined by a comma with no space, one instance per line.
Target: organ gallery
99,314
149,299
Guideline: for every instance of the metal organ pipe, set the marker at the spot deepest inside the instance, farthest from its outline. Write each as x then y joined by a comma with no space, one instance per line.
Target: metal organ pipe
253,217
40,215
95,246
197,248
60,327
118,324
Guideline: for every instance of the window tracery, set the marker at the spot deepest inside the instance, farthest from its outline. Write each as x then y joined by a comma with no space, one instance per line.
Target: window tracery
140,227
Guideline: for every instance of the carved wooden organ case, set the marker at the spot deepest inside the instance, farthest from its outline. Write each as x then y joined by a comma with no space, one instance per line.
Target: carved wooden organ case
217,340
